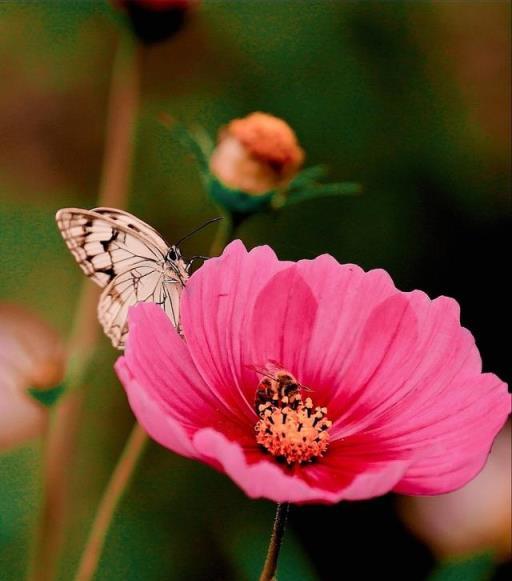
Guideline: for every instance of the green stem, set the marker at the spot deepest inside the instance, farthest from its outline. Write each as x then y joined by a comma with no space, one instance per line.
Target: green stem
61,435
270,567
126,466
116,487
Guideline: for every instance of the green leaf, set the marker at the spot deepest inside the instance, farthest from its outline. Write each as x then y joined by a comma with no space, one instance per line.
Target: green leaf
308,176
47,397
475,568
197,143
323,190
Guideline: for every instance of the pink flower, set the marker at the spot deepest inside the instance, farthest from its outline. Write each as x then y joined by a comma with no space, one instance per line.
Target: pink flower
31,356
313,381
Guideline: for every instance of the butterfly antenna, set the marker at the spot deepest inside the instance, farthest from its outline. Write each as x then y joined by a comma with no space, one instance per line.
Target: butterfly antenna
207,223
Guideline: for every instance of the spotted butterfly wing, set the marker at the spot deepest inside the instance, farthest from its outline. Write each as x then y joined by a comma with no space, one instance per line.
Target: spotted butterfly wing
134,224
128,259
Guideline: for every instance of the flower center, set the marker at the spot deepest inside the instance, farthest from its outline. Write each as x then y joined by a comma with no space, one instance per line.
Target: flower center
290,427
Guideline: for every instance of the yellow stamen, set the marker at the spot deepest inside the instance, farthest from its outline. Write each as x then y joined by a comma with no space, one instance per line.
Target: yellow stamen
291,429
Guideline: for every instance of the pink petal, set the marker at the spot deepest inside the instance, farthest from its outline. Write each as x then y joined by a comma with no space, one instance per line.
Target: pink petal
160,362
424,394
357,477
217,304
410,349
282,320
266,479
442,353
453,446
346,297
151,415
376,367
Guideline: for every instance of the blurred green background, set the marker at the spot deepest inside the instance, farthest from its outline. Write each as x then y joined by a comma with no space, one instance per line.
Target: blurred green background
411,99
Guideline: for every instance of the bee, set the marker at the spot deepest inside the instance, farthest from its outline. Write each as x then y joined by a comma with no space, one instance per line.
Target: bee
277,387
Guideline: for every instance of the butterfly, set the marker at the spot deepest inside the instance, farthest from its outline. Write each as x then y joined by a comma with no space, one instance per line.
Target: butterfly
129,260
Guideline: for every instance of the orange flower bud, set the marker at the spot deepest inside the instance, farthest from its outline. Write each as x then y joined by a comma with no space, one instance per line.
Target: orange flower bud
256,154
31,356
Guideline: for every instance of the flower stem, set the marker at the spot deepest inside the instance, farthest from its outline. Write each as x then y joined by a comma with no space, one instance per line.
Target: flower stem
270,566
61,435
122,115
115,488
124,470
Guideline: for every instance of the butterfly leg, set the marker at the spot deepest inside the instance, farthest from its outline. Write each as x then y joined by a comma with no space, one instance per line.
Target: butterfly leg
193,259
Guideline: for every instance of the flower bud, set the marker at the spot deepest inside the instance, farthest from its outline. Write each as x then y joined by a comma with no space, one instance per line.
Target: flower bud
256,154
31,356
155,20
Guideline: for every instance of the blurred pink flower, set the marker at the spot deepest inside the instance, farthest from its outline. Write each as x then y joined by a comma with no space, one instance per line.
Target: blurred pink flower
31,355
391,393
475,518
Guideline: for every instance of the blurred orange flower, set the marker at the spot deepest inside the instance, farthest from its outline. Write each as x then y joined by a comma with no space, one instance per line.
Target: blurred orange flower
256,154
474,518
31,356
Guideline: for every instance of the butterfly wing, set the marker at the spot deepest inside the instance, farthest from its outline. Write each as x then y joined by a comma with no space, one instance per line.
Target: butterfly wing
134,224
142,284
127,257
104,246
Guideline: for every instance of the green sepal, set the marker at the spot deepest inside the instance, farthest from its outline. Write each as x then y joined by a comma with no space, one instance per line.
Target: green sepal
47,397
237,201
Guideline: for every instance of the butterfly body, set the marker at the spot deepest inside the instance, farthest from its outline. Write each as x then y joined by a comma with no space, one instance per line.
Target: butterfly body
129,260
